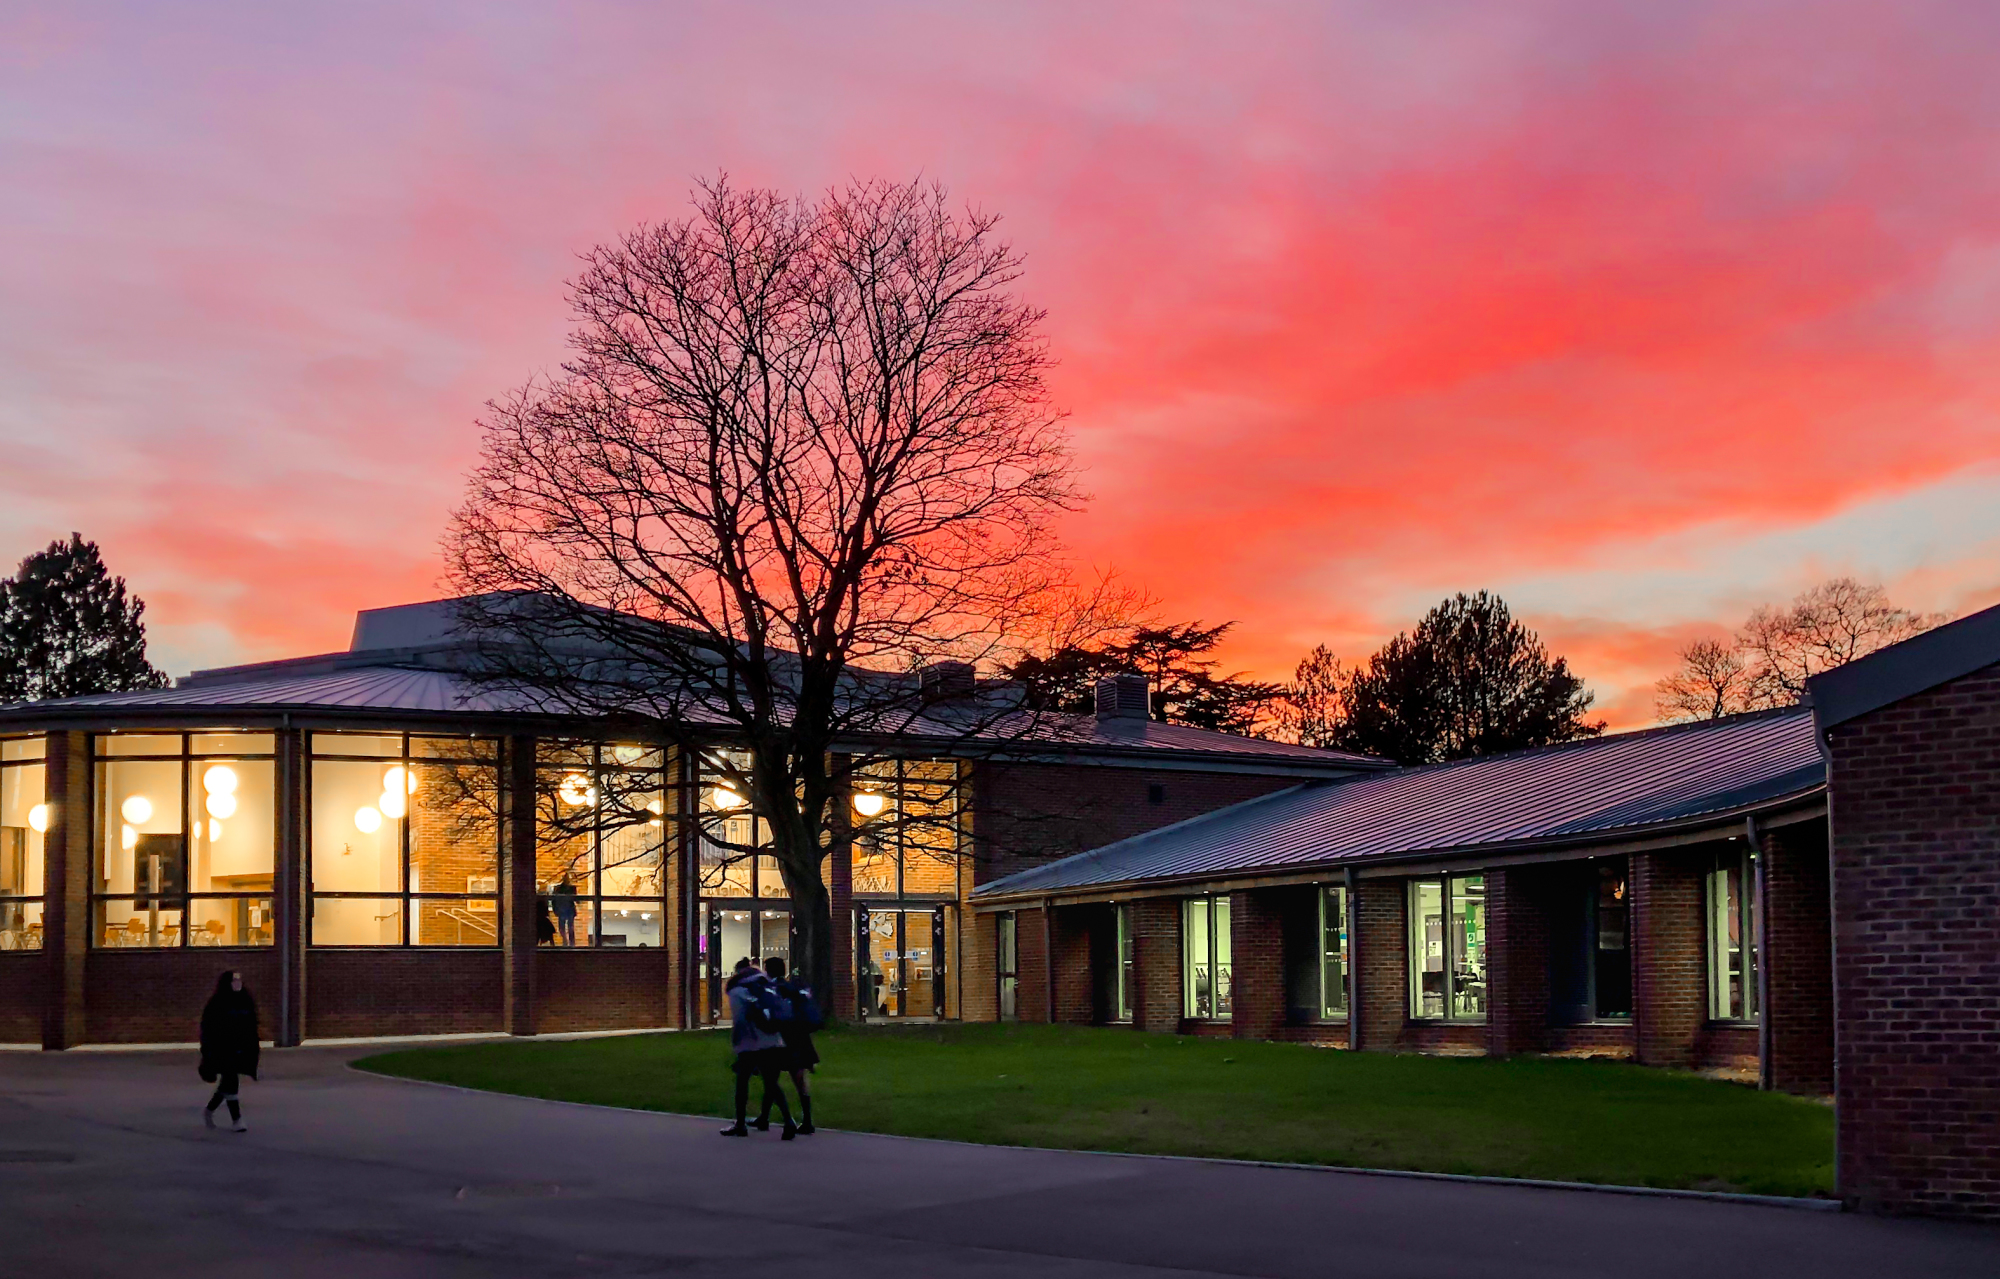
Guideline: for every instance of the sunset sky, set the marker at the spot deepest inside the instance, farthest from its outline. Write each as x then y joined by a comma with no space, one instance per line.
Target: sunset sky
1639,314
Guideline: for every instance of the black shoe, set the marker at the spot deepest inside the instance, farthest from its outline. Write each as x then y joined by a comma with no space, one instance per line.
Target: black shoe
791,1131
762,1125
736,1130
806,1129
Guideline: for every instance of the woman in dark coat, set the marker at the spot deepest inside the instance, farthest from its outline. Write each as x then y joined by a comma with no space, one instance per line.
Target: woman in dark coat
228,1045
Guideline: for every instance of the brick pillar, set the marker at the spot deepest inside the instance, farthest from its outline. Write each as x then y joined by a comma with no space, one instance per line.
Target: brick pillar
1257,964
517,931
290,907
1667,978
1031,986
66,873
1075,1000
1517,961
1798,958
1156,963
977,980
1381,959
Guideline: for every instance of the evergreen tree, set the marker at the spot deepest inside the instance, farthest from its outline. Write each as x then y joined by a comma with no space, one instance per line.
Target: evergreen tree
67,628
1468,680
1186,688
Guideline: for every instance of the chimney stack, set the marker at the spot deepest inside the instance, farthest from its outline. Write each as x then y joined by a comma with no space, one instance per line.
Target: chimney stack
947,681
1127,695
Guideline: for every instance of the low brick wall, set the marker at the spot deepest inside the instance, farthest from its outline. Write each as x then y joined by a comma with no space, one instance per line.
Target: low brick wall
24,976
156,996
355,993
590,988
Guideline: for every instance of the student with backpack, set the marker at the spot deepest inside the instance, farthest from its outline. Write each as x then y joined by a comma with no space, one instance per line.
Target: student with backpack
797,1032
756,1010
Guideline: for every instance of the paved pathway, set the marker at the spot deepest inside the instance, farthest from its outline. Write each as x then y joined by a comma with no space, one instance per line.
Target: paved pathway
105,1169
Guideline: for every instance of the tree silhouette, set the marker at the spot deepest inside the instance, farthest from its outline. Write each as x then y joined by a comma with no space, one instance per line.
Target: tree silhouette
1173,656
67,628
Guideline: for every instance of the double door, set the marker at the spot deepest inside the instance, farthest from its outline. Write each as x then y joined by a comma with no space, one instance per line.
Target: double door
899,962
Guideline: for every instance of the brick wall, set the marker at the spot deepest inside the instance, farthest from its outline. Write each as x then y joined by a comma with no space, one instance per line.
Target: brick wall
1798,952
1028,814
1601,1040
1667,979
353,993
1517,959
1257,959
156,996
1076,1000
1156,963
1916,868
23,976
1031,1000
1382,962
981,991
607,989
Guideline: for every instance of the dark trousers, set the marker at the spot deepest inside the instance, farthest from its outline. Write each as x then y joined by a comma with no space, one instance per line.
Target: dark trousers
225,1090
766,1066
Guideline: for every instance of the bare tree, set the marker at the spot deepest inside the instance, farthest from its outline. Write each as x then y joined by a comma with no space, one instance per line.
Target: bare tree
802,455
1713,680
1782,646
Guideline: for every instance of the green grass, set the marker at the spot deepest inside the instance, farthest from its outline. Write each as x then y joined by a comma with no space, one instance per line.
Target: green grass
1085,1089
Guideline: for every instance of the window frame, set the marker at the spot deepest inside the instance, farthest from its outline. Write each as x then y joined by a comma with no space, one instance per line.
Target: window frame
1124,1007
1007,965
894,839
18,934
185,759
1449,918
1220,959
405,899
601,765
1741,859
1332,908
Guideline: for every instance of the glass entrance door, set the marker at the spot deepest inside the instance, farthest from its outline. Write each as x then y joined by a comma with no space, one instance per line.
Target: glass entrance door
899,962
734,932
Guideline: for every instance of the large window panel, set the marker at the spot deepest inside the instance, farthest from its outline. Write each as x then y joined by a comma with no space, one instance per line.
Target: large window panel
185,834
24,818
601,857
1206,970
404,837
1333,953
1732,941
1447,944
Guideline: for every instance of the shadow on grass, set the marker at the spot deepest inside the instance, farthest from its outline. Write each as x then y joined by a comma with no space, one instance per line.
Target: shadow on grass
1094,1089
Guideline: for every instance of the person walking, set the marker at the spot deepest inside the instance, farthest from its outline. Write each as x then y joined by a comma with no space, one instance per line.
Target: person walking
755,1013
564,898
797,1032
229,1046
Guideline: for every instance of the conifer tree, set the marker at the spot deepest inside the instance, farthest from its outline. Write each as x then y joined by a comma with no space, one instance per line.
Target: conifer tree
67,628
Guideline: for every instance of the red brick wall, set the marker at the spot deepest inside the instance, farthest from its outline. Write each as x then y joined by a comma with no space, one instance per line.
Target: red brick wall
356,993
1668,983
1074,995
1381,962
1726,1046
156,996
1028,814
1257,959
976,972
608,989
23,977
1517,968
1031,1000
1916,864
1798,951
1602,1039
1156,963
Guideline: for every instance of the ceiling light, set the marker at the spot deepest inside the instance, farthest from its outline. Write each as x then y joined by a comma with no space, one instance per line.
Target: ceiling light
367,820
38,818
137,809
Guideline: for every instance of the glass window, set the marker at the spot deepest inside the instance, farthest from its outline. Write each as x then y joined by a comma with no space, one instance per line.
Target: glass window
600,863
1206,968
907,829
24,817
1007,965
1333,953
186,836
1122,1005
403,850
1732,936
1448,948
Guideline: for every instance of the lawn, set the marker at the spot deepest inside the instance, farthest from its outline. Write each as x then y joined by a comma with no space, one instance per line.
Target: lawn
1085,1089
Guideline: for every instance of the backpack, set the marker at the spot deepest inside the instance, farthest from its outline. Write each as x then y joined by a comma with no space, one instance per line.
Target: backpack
769,1010
805,1009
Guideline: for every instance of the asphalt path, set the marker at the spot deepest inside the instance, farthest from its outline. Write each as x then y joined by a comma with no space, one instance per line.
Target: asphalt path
106,1169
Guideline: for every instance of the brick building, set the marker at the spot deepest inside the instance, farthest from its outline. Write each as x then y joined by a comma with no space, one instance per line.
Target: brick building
1912,737
379,844
1658,896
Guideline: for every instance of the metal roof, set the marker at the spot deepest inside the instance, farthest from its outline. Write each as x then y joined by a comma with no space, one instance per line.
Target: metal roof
1618,784
1916,665
306,685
